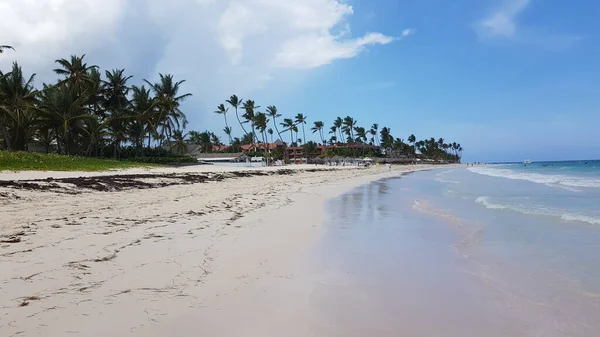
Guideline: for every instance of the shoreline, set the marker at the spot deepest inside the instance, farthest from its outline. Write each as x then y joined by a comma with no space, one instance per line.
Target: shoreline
78,258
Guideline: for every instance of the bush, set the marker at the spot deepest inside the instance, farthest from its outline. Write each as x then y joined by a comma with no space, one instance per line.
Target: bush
20,161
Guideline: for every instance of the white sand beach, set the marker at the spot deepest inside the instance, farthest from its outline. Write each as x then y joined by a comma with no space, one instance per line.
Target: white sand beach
185,258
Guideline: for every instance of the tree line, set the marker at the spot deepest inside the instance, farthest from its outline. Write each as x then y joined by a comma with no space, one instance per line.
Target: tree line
102,114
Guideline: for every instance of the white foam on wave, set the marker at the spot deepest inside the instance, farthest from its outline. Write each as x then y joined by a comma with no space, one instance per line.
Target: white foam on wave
442,180
552,180
488,203
442,177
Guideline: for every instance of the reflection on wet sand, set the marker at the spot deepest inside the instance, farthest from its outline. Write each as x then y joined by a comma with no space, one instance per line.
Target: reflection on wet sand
406,266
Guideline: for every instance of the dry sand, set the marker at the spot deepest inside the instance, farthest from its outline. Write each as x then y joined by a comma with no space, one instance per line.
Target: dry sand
196,251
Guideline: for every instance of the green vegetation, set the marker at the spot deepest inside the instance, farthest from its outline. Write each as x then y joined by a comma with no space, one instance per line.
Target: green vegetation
89,113
20,161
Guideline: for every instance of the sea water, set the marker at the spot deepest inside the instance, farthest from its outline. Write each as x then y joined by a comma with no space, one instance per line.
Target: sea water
502,250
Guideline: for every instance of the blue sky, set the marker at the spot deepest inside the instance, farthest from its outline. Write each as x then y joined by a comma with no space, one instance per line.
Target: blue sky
508,79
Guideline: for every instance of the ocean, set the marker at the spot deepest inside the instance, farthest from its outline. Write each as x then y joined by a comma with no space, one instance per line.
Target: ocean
497,250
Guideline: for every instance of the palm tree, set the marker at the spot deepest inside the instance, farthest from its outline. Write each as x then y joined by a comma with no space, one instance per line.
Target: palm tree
227,131
348,127
167,101
361,134
249,107
301,119
261,121
5,47
295,129
61,109
272,111
319,128
179,144
115,102
75,71
288,125
270,132
93,134
17,100
412,139
235,102
221,110
143,116
374,130
338,123
333,130
387,140
214,139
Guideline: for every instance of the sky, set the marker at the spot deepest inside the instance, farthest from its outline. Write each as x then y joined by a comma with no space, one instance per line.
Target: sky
508,79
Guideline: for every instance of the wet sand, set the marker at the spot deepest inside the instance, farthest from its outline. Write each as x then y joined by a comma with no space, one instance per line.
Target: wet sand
180,252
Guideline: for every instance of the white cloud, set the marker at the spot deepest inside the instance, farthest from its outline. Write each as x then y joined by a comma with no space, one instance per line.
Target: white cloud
408,32
502,21
41,29
219,46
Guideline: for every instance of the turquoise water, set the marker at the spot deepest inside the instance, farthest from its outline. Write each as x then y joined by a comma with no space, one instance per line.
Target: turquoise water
566,190
502,250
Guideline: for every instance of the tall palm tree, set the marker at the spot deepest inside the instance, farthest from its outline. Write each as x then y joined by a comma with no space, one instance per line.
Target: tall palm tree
333,130
373,131
412,139
62,109
319,128
301,120
348,127
235,102
17,100
249,107
167,101
221,110
387,140
270,132
261,121
338,123
75,72
272,112
144,117
117,105
361,134
288,125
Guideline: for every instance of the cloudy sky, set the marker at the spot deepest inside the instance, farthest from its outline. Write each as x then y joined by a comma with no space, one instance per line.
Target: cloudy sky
509,79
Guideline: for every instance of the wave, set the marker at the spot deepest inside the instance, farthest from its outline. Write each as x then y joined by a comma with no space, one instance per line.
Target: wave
441,177
552,180
487,202
442,180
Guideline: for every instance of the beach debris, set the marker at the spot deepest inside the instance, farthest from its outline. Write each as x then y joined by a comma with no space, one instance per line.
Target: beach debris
120,182
12,238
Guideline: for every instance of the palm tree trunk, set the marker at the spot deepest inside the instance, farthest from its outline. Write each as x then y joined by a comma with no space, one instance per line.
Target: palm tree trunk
7,142
239,121
303,135
227,127
276,129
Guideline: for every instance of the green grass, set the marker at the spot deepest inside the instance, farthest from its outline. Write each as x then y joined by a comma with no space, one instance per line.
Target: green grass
30,161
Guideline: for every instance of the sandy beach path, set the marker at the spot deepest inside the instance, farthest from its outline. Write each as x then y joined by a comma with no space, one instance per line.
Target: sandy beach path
98,258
